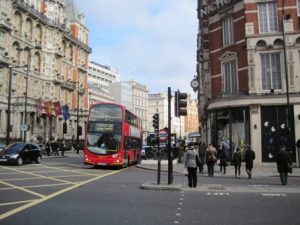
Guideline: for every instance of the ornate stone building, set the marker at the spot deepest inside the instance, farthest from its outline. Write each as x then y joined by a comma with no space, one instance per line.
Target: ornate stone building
51,38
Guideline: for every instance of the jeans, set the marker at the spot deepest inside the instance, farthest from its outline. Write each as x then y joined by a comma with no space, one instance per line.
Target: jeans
283,178
210,169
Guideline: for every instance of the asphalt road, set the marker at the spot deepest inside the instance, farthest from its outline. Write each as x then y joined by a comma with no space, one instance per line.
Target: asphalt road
64,191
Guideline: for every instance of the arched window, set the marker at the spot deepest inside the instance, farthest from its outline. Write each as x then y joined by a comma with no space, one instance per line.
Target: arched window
28,29
18,22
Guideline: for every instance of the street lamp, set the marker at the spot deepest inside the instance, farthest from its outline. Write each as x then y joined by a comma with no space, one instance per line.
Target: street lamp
9,102
26,86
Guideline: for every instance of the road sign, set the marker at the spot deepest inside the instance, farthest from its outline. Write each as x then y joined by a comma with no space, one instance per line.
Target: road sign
25,127
163,135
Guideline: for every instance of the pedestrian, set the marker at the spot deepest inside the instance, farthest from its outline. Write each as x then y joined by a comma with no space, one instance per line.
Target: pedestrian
249,158
284,164
191,165
237,162
63,147
211,158
222,159
181,148
54,146
201,153
48,148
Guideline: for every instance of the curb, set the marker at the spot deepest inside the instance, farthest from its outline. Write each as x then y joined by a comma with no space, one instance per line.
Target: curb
161,187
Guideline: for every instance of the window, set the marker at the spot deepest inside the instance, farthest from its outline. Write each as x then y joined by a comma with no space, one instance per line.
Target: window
268,18
230,77
270,71
227,27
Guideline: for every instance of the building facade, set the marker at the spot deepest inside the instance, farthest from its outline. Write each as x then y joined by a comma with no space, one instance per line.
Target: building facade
99,79
140,103
248,58
158,103
122,93
50,38
191,122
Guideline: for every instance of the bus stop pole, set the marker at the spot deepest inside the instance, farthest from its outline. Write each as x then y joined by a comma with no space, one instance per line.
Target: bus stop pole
170,162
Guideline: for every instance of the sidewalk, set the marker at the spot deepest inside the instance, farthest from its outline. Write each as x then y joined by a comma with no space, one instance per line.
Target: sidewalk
258,170
71,153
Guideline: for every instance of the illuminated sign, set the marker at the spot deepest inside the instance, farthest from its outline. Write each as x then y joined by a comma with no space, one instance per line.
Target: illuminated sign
104,127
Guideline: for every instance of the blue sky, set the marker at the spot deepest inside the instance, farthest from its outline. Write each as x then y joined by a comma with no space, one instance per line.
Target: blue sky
151,41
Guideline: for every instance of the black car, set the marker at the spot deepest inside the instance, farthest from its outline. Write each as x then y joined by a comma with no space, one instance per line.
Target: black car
2,146
19,153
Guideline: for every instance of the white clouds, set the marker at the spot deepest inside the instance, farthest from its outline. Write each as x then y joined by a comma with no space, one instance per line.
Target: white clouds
151,41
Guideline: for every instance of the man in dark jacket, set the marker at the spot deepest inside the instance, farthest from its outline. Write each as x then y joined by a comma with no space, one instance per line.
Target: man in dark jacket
283,161
249,157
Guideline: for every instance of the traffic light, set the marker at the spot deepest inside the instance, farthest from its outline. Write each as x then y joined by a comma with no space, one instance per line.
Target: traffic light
65,128
156,123
79,130
180,104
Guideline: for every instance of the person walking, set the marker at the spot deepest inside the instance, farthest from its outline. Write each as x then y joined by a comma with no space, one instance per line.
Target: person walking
284,164
211,158
249,158
191,165
237,162
181,146
54,146
201,153
223,159
63,147
48,148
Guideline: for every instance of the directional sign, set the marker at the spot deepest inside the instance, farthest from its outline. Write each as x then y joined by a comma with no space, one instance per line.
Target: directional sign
25,127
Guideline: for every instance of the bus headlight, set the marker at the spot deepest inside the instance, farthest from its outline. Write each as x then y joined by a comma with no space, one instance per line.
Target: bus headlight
115,155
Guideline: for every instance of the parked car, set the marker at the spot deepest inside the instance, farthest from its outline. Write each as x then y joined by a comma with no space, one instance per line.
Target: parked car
147,152
20,152
2,146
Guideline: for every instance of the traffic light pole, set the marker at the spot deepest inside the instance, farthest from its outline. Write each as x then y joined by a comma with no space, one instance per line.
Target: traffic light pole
170,162
158,155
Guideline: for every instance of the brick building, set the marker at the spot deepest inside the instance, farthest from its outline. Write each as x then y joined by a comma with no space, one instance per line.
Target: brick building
247,66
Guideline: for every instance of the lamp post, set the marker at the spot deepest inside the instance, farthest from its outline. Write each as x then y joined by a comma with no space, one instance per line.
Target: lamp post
26,87
77,133
9,102
288,112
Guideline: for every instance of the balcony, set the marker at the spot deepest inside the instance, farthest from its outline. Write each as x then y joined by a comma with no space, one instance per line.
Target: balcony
82,68
59,53
5,24
69,85
4,60
58,80
71,38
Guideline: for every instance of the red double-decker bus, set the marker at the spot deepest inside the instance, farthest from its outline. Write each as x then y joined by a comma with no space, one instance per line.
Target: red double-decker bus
113,136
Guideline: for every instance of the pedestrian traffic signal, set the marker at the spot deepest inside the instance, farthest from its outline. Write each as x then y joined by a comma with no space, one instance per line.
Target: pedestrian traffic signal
156,123
79,130
65,128
180,104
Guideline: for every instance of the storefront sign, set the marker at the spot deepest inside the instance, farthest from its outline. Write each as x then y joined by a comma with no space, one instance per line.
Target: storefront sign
214,6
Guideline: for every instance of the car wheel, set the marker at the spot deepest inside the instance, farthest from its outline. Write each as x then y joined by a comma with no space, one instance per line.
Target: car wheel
19,161
38,159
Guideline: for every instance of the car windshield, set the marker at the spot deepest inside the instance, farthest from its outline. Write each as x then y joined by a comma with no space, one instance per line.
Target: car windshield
14,148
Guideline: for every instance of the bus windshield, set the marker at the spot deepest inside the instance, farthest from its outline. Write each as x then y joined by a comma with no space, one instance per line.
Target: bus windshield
104,129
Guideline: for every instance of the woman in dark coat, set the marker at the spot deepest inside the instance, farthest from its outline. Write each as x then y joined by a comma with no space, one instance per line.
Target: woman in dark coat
237,162
223,159
283,161
249,157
